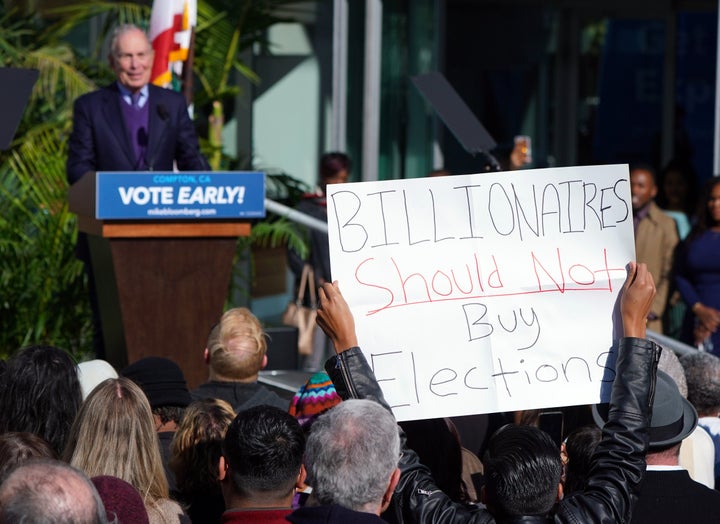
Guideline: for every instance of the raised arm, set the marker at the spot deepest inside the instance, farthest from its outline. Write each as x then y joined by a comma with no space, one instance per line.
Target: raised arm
417,498
618,464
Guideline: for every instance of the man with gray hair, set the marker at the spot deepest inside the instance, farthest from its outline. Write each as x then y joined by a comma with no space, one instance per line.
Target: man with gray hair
129,125
50,491
351,459
702,373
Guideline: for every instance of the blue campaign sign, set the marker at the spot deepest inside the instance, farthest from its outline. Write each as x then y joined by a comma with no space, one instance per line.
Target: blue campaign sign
160,195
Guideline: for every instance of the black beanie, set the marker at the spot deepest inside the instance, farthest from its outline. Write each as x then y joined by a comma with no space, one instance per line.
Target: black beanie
161,380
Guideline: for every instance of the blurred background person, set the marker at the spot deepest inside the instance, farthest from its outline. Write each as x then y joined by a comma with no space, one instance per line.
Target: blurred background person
698,273
678,199
655,238
334,169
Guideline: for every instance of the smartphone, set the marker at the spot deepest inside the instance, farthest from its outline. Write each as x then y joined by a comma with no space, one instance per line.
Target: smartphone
551,422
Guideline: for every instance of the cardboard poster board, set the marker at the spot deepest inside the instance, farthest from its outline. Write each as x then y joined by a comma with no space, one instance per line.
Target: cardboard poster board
489,292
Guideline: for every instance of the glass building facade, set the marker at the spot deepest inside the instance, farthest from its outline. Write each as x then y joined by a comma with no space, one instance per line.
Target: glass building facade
589,82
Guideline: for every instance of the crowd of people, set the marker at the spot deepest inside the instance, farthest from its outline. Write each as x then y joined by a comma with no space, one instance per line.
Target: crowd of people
677,234
89,443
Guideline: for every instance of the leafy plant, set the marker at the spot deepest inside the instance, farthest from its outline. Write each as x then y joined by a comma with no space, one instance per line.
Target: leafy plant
43,296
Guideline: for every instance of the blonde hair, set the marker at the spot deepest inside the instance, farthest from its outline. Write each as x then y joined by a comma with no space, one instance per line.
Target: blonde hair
237,327
197,444
114,434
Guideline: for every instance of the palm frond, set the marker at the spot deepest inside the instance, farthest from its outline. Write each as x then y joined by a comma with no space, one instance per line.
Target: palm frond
280,232
58,74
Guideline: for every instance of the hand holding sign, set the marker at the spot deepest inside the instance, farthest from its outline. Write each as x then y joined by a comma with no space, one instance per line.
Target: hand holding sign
335,318
636,300
503,285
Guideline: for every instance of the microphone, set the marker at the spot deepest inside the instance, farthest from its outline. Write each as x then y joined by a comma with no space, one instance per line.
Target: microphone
164,115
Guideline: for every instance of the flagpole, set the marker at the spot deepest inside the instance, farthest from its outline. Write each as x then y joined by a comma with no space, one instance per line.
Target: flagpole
187,72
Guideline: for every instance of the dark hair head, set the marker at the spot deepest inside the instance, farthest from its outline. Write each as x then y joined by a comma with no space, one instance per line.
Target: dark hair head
169,413
40,393
644,166
18,447
332,163
704,219
522,470
264,448
579,448
197,445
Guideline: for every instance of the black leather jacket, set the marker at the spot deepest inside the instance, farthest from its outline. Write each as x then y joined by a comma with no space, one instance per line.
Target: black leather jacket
619,462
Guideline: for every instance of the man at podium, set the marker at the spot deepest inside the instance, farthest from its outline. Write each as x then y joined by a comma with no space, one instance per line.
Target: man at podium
129,125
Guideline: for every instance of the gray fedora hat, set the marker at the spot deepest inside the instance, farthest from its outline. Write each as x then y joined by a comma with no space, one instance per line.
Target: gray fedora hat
673,417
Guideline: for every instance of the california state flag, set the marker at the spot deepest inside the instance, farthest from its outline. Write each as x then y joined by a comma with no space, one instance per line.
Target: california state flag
171,27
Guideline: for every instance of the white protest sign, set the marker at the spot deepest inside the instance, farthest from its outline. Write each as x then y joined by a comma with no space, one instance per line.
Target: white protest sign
488,292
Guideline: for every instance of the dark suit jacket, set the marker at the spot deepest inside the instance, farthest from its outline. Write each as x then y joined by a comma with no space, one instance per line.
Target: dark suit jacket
672,496
100,140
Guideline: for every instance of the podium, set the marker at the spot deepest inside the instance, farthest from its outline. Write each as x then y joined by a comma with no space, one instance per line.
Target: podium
161,282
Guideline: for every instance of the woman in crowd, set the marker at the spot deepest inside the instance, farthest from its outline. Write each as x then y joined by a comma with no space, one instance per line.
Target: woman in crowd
40,393
194,456
114,435
678,198
698,273
334,169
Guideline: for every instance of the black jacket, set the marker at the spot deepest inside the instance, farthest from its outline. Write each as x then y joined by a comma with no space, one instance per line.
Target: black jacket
672,496
619,461
240,395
